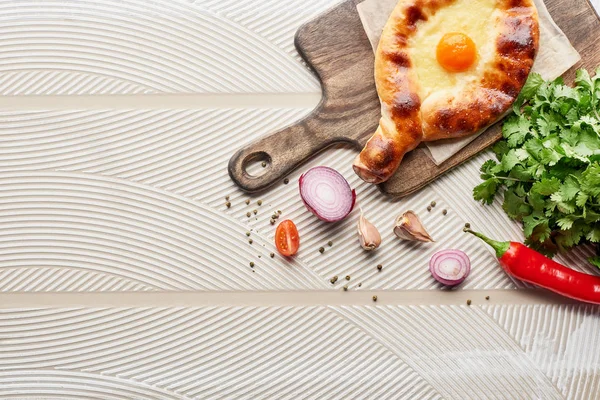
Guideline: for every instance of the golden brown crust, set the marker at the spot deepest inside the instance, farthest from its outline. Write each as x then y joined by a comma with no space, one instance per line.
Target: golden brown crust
408,120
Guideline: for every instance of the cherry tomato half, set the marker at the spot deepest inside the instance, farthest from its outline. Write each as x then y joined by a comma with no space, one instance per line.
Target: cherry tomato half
287,239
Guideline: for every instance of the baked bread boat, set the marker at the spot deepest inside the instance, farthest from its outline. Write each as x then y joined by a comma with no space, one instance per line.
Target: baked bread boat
446,69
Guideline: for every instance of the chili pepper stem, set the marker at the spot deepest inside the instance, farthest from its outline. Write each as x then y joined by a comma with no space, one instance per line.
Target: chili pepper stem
499,247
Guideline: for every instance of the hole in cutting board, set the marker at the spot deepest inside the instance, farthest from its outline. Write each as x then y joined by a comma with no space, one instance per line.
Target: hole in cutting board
256,164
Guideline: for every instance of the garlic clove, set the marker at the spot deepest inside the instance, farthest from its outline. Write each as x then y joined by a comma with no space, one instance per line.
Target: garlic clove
409,227
369,236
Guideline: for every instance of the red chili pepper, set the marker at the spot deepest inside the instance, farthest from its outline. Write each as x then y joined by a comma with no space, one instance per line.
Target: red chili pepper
530,266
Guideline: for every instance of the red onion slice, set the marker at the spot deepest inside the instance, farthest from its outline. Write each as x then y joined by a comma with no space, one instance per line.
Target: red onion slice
450,267
326,193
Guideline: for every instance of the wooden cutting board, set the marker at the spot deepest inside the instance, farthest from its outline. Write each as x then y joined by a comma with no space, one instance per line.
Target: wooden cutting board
337,48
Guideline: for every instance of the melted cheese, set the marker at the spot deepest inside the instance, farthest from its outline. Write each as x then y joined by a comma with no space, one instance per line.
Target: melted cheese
471,17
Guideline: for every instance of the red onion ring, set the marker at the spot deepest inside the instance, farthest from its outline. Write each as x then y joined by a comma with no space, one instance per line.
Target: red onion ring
450,267
326,194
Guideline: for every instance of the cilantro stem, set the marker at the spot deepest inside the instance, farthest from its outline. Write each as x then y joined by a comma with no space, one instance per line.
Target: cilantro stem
512,179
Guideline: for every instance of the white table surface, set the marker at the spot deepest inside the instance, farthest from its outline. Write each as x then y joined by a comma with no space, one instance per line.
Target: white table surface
124,276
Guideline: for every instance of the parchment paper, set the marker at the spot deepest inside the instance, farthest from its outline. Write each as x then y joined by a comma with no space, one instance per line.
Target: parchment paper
555,57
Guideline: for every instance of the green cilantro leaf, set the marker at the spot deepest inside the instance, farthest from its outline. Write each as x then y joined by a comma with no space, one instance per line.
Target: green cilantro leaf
534,81
566,222
583,80
581,199
500,149
486,191
569,189
590,180
546,187
515,206
594,235
515,130
541,234
534,148
489,169
537,201
591,216
531,222
521,173
569,238
509,160
566,92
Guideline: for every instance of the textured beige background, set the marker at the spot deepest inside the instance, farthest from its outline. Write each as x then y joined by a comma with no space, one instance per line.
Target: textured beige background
123,275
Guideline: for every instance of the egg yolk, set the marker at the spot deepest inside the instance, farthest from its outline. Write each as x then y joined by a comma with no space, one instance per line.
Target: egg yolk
456,52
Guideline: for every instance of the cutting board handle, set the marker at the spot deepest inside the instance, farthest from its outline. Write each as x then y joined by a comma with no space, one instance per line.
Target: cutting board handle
283,152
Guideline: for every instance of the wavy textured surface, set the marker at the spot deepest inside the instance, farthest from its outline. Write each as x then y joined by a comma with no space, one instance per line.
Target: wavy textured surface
275,20
59,227
444,346
182,151
40,384
65,273
562,340
316,352
201,353
73,47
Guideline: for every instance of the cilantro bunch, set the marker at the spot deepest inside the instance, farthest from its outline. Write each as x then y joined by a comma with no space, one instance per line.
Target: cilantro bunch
548,166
